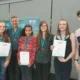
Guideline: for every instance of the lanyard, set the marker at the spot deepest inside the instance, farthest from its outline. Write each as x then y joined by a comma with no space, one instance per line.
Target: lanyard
42,42
26,43
61,38
14,33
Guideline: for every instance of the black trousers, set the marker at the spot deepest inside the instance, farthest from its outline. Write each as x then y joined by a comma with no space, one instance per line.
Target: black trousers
42,71
26,73
62,74
13,68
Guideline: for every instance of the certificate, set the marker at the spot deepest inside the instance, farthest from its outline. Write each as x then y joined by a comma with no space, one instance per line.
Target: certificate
4,49
59,48
24,58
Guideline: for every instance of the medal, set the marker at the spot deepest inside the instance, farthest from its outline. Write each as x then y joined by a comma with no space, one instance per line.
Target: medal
15,39
14,35
42,48
42,43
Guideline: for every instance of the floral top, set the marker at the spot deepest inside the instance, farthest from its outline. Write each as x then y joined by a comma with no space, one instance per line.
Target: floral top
31,48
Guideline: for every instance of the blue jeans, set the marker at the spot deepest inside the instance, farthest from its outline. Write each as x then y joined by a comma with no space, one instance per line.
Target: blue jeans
2,68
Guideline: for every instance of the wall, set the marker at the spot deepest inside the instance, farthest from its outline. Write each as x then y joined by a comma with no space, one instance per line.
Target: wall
41,8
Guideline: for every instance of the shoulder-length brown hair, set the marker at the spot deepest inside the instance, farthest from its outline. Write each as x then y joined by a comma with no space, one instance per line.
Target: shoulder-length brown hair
40,32
5,35
67,28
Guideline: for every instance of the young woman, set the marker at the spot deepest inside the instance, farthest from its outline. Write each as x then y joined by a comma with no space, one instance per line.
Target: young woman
63,66
27,43
43,55
3,60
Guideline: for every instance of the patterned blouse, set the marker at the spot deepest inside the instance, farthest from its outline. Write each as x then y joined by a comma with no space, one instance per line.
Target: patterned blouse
31,47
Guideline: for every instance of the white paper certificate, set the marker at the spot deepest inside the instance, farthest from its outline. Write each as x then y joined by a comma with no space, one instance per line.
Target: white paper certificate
24,58
4,49
59,48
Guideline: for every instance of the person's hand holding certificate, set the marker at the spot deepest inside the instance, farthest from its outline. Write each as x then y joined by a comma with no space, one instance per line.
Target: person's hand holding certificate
24,58
4,49
59,48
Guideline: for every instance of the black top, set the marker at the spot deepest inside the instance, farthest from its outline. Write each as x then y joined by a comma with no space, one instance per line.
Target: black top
64,66
44,55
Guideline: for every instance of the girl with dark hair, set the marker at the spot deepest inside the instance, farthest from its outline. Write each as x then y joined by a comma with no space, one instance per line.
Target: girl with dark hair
63,66
43,55
23,31
3,60
27,43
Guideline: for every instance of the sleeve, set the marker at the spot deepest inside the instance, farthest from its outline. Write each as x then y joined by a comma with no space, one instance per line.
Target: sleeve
32,58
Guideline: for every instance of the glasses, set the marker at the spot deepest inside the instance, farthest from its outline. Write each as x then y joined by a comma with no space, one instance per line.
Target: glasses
43,25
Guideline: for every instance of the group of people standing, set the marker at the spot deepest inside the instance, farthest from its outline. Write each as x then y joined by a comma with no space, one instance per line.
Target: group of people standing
40,51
